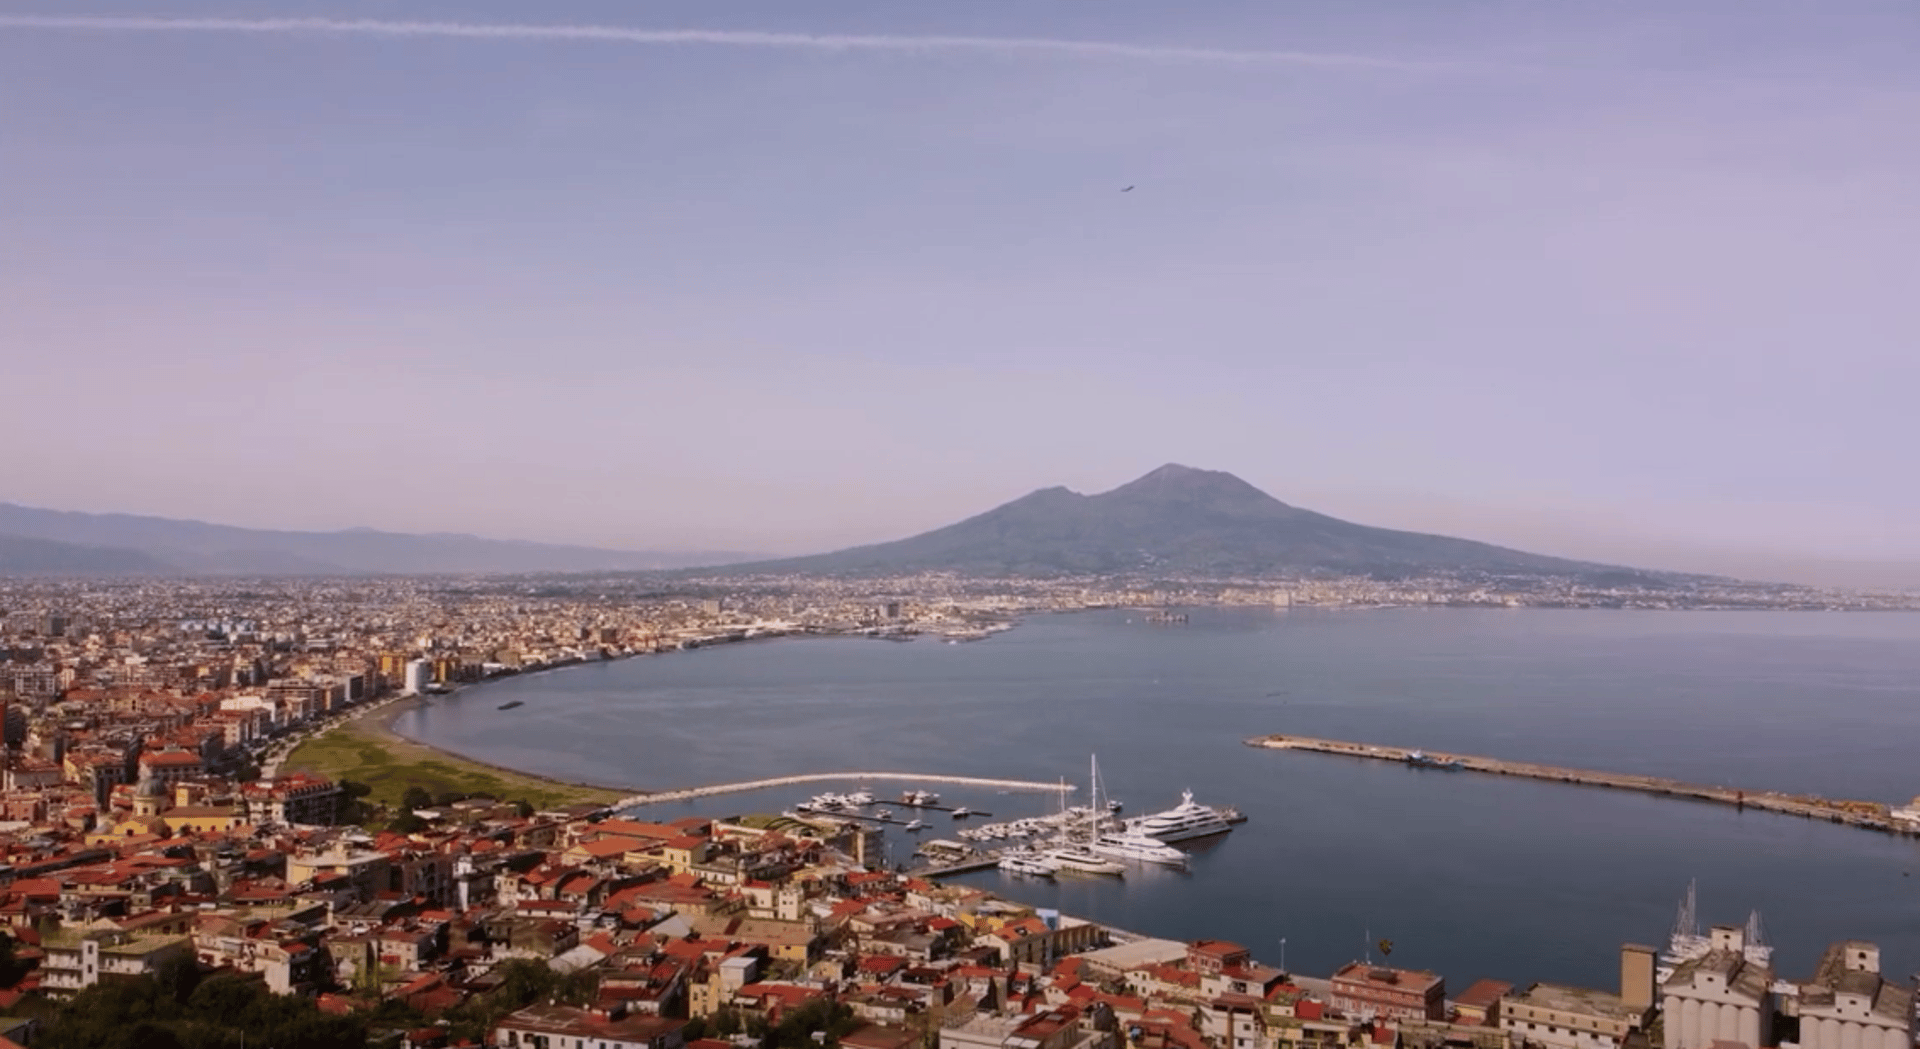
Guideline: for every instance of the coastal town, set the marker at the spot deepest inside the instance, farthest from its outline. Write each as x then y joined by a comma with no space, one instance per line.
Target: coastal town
178,816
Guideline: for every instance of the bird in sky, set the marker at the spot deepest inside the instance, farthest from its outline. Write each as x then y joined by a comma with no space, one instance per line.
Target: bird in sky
1129,189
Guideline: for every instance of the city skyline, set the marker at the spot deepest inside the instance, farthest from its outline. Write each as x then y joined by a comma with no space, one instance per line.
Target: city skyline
1616,283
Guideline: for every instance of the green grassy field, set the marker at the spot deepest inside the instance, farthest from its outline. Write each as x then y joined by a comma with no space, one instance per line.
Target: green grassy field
389,764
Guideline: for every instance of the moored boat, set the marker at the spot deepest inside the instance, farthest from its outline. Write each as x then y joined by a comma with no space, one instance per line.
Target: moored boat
1127,845
1080,859
1029,863
1184,821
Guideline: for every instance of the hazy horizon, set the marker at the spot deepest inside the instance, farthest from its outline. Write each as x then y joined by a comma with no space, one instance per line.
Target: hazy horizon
1611,281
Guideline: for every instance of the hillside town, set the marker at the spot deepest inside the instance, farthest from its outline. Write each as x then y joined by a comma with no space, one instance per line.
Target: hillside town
157,832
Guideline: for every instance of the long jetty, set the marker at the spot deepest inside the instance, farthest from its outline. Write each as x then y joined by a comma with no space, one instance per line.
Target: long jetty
823,777
1868,815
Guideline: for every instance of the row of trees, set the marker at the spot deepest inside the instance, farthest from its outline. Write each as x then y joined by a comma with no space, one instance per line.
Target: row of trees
175,1009
795,1030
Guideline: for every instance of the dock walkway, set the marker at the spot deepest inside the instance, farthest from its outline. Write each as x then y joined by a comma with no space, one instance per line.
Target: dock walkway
1867,815
823,777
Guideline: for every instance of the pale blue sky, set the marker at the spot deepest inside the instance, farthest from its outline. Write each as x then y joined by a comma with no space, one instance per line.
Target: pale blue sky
1597,277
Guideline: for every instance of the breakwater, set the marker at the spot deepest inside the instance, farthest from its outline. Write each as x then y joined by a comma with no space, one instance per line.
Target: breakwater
1867,815
822,777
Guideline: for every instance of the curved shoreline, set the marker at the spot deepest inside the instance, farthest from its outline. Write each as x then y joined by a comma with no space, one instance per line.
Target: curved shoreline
390,711
384,724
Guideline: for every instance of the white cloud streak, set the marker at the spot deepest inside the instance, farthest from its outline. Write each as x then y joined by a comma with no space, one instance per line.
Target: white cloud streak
988,45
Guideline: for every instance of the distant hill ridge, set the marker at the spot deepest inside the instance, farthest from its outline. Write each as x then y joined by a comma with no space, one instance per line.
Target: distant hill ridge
59,542
1176,519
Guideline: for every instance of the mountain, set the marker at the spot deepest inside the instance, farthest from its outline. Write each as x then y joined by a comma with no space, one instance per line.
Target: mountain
35,541
22,555
1176,520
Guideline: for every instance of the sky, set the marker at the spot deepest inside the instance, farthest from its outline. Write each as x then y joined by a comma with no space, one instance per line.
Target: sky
1600,278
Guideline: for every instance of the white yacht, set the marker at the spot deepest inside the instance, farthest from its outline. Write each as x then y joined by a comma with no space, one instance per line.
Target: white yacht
859,798
916,825
1080,858
1129,845
1032,863
1182,822
962,812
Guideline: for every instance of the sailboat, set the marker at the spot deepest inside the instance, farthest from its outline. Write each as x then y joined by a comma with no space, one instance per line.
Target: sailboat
1072,855
1122,842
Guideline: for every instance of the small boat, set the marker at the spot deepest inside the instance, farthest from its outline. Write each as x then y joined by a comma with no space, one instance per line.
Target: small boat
515,703
962,812
916,825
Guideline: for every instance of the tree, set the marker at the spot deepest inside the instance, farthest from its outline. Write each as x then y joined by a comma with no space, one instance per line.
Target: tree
407,823
226,997
523,808
416,797
178,977
11,968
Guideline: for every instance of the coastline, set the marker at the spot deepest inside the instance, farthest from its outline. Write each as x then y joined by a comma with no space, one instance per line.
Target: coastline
390,710
363,746
384,727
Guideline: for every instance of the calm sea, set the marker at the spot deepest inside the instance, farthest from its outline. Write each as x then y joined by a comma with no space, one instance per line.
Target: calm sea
1472,876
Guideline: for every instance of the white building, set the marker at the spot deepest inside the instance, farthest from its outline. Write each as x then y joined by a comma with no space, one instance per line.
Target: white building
1721,996
419,675
76,959
1848,1005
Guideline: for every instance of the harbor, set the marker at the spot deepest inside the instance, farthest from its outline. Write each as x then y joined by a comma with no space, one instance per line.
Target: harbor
1866,815
1092,839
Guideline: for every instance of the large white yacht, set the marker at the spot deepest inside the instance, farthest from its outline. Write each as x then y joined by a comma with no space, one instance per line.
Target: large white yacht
1032,863
1080,858
1182,822
1130,845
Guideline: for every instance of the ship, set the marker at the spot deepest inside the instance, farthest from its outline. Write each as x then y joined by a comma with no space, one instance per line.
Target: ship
1128,845
1029,863
1079,858
1183,822
1422,760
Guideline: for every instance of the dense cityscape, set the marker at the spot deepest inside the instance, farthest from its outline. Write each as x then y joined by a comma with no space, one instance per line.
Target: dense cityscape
181,818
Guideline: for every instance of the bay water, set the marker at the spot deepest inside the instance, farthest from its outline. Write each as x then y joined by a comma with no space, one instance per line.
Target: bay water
1466,874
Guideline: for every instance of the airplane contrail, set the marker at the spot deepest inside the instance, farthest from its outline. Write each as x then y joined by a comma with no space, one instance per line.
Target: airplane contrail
1005,46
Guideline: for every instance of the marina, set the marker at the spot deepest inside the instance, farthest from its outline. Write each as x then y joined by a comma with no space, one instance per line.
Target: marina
1866,815
1093,839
